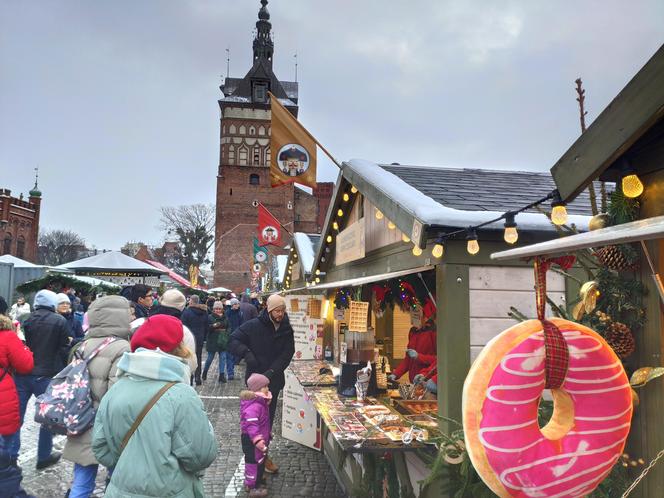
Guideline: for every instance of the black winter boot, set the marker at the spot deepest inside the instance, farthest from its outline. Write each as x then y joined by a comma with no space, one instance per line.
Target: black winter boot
222,378
205,374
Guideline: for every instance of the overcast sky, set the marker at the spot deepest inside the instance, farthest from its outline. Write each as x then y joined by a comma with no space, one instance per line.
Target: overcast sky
116,101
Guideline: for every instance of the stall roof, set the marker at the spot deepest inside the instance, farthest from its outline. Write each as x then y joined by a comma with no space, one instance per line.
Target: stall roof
18,262
170,273
112,261
646,229
356,282
95,281
628,117
306,245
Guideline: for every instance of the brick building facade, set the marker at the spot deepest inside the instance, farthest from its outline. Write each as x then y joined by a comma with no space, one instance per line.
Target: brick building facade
243,179
19,224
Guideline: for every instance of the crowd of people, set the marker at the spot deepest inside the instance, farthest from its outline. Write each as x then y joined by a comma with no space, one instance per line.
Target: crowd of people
141,356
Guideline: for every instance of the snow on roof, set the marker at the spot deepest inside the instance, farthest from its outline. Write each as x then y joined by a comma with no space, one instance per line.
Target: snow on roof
430,212
17,262
304,245
282,261
95,281
111,261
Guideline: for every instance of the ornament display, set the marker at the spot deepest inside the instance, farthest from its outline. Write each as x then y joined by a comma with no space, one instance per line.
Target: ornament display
588,299
576,450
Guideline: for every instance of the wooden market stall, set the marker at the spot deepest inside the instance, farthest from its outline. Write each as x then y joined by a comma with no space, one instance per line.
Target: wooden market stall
380,246
625,144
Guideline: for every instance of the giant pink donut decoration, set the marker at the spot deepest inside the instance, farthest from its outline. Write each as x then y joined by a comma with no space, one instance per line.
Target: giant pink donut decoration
592,414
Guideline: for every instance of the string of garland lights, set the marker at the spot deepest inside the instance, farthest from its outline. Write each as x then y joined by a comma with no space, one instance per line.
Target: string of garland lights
511,234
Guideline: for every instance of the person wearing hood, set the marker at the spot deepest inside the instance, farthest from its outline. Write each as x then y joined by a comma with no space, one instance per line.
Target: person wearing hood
109,318
171,303
164,454
267,345
17,358
47,336
195,318
249,311
256,431
63,307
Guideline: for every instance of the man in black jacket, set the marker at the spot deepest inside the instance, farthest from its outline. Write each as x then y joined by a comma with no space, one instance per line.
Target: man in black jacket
47,336
267,345
195,317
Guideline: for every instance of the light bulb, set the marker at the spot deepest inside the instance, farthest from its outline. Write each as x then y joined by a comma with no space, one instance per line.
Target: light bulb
307,284
346,197
317,272
379,214
405,238
437,251
317,279
329,239
417,251
632,186
353,189
391,225
559,214
511,235
473,246
340,213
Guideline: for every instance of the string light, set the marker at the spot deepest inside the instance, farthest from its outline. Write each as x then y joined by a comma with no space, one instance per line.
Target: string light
318,272
329,239
346,197
417,251
438,250
405,238
379,214
340,213
391,225
558,210
631,184
511,235
317,279
335,225
473,246
353,189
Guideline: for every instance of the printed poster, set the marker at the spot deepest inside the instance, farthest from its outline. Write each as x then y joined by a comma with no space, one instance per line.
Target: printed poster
300,421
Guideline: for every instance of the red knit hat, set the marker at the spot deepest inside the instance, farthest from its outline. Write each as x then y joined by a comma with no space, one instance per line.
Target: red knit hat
159,331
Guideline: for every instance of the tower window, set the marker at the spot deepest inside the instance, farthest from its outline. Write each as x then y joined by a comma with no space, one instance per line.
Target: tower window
243,130
260,92
7,245
252,131
254,179
231,154
243,156
232,130
267,156
20,247
257,156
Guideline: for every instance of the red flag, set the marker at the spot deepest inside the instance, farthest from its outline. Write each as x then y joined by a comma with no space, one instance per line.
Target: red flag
269,228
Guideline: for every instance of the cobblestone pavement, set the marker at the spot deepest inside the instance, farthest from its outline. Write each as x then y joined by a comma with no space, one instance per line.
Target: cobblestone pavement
302,471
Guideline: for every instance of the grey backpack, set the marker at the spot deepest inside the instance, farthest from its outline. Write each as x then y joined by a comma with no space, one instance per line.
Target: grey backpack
66,406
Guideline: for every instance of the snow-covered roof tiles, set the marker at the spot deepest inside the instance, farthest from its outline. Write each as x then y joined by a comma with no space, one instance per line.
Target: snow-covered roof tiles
282,261
306,246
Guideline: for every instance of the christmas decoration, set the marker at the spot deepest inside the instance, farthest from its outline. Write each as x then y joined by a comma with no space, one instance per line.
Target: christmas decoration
617,258
588,295
620,338
599,221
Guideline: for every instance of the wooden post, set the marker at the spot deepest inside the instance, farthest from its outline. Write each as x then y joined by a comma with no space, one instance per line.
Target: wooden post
453,326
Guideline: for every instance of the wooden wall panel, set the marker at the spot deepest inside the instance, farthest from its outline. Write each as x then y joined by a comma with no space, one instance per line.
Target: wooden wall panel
377,232
511,278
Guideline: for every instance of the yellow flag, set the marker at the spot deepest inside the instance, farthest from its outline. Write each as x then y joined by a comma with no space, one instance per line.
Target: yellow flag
293,151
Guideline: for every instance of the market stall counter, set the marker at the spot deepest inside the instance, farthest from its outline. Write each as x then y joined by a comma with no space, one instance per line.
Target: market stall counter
353,433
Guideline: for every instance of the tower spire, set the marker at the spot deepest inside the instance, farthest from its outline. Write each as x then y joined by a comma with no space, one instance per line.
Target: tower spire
35,190
263,42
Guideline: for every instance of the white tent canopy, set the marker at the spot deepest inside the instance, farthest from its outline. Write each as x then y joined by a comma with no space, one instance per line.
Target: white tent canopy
17,262
112,261
219,289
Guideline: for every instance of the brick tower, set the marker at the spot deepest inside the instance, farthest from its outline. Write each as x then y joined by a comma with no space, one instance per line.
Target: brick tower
243,179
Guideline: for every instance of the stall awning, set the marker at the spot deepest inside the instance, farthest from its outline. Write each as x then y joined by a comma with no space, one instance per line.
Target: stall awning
635,231
356,282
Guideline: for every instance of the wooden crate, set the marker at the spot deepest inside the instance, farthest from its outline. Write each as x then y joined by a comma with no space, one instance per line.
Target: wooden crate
358,311
314,307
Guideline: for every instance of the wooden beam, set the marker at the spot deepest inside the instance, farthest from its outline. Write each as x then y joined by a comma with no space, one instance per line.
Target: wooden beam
635,109
453,326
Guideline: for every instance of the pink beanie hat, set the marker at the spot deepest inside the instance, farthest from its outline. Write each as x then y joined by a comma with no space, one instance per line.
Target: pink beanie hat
256,382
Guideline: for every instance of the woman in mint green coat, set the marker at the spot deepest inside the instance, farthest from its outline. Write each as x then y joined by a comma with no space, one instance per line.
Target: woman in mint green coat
166,455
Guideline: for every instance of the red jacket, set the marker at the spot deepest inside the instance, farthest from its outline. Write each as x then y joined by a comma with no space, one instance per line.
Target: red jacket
424,342
16,357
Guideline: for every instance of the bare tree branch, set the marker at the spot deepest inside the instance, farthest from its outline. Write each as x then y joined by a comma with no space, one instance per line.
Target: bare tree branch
57,247
194,227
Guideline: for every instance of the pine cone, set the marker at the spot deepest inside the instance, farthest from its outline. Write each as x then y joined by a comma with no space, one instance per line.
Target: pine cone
614,259
620,338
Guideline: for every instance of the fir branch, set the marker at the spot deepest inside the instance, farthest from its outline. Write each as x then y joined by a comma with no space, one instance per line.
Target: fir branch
517,315
557,309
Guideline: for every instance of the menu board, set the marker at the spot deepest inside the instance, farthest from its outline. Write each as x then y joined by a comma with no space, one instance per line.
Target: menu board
305,329
299,419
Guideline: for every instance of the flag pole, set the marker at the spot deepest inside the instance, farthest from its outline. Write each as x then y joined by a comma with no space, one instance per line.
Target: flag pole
276,100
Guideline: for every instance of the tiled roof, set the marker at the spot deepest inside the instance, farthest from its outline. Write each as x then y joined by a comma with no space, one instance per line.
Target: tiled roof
482,189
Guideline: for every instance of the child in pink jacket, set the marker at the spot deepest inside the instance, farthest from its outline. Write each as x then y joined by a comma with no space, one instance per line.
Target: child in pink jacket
255,426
